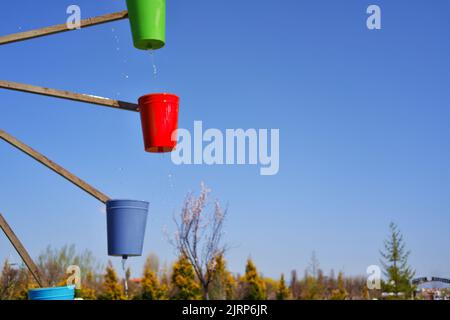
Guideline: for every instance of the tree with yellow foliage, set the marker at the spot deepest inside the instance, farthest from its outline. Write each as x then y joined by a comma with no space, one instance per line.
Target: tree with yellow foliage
184,282
112,289
254,286
87,290
150,286
283,292
223,284
13,282
340,293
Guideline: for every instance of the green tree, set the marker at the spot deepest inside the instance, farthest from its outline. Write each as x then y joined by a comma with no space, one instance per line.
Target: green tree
321,285
309,288
112,290
15,281
283,292
313,284
222,285
184,282
255,288
150,287
8,279
395,263
365,293
340,293
165,282
53,264
87,291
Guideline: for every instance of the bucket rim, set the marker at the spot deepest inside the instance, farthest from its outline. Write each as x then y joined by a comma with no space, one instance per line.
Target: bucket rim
134,200
159,95
130,255
71,287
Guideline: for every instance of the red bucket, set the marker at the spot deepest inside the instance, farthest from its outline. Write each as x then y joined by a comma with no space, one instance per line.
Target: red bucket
159,117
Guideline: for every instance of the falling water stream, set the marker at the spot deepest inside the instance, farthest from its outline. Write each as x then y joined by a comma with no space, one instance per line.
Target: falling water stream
155,69
124,262
165,180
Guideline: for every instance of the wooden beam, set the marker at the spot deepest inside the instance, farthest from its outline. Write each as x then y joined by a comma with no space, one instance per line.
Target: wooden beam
53,166
21,251
106,102
62,28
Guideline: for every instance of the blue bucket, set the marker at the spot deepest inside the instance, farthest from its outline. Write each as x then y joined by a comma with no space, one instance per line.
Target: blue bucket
126,221
57,293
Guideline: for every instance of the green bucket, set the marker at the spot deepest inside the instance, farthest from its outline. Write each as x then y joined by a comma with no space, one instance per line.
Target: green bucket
148,23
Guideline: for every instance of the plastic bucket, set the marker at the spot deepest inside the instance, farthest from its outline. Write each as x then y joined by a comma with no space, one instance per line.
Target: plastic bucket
148,23
57,293
159,117
126,221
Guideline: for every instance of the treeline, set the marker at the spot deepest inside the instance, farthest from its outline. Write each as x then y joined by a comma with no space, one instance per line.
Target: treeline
178,282
201,272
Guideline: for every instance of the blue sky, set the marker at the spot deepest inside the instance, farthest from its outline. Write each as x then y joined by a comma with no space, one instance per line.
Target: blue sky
363,118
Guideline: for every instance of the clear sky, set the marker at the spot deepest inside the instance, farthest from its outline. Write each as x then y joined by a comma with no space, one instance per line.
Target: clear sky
363,118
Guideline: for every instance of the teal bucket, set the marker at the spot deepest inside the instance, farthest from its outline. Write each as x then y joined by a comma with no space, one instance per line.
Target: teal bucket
56,293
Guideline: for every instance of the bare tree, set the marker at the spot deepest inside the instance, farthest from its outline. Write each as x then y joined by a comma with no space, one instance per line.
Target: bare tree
53,263
199,236
314,265
8,279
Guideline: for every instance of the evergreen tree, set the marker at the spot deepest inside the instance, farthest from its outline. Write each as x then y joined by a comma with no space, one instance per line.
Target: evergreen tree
15,282
112,289
294,285
321,285
222,285
340,293
230,289
165,283
395,264
283,292
365,293
310,289
314,281
184,281
255,288
87,291
8,278
330,284
150,288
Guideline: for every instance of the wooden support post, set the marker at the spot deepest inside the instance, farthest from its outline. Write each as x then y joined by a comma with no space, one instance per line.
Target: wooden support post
9,85
53,166
22,251
62,28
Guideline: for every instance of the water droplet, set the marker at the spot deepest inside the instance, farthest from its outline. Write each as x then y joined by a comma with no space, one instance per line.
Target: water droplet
155,69
171,184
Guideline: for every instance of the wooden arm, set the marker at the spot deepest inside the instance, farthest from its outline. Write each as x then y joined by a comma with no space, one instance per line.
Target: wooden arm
22,251
62,28
9,85
53,166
